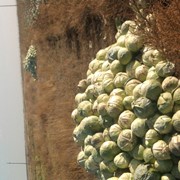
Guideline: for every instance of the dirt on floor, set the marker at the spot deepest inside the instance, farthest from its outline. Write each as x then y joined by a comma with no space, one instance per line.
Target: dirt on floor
48,102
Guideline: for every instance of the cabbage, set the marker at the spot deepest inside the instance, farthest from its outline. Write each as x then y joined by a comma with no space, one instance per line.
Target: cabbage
127,26
139,127
144,107
81,158
106,121
106,135
174,145
116,66
75,115
175,172
97,140
101,54
163,124
115,106
122,160
151,57
95,65
151,89
113,178
80,97
126,140
133,165
131,68
125,119
108,85
82,85
126,176
114,132
91,165
141,72
130,85
137,91
170,83
165,69
101,109
97,77
120,79
109,150
91,92
152,74
87,140
160,150
176,96
133,42
165,103
112,53
151,137
124,56
146,172
167,177
148,155
118,92
127,101
102,98
137,152
151,120
105,66
176,121
163,166
121,41
89,150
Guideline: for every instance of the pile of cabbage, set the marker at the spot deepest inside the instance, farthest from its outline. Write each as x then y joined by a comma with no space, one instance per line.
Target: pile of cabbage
127,112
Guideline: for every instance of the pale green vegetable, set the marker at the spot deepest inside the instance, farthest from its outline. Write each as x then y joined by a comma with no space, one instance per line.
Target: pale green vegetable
131,68
112,53
97,140
137,152
160,150
102,98
114,132
170,83
95,65
106,121
109,150
90,92
130,85
174,145
144,107
151,120
80,97
167,177
152,74
176,96
85,108
146,172
127,101
151,89
126,176
105,66
148,155
118,92
127,26
175,172
120,79
139,127
165,103
113,178
91,165
89,150
141,72
151,137
101,54
116,66
133,42
126,140
125,119
81,158
137,92
122,160
121,40
106,135
152,57
133,165
101,109
108,85
87,140
82,85
75,115
115,106
163,166
176,121
163,124
94,108
97,77
165,69
124,56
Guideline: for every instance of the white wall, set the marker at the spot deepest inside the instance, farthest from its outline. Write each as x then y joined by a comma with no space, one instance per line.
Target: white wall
12,148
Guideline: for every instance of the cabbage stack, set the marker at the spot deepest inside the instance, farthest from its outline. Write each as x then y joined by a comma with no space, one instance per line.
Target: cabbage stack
127,112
